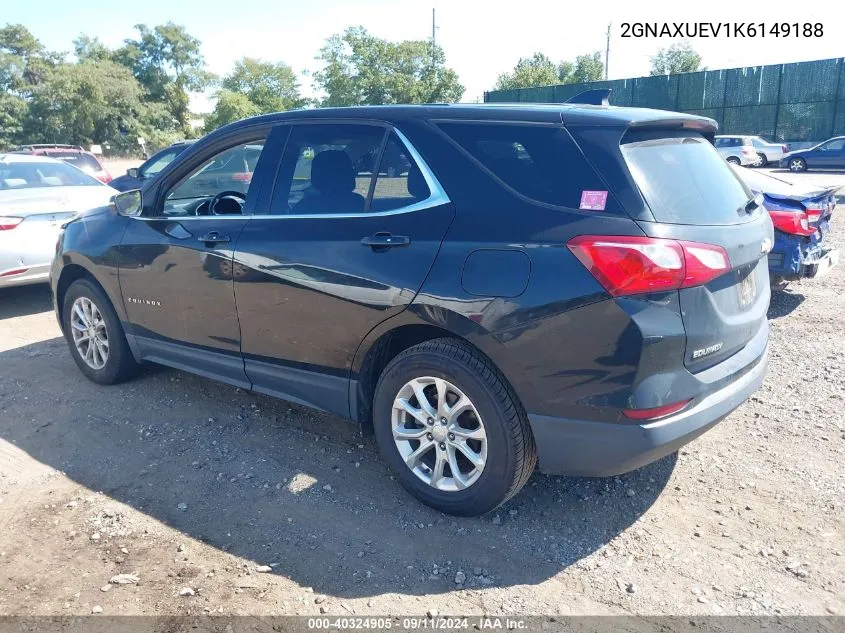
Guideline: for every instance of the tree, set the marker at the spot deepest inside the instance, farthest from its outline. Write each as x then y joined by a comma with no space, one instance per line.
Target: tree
537,70
167,62
361,69
23,60
91,49
230,107
271,87
92,102
678,58
588,68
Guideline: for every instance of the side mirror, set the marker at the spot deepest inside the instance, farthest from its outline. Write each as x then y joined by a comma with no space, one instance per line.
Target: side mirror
128,203
133,172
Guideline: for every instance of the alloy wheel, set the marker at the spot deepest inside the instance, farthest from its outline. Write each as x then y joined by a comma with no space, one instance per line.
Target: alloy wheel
439,433
89,333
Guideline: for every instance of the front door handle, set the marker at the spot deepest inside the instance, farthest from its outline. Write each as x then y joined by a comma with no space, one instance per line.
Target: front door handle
214,237
383,240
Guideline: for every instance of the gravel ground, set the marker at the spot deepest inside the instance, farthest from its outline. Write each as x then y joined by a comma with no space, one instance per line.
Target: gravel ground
173,494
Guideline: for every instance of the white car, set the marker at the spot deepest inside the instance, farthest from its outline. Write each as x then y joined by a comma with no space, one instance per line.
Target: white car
766,152
37,195
737,150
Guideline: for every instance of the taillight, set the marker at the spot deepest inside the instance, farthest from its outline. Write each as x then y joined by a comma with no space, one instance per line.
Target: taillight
7,223
626,265
792,222
784,149
656,412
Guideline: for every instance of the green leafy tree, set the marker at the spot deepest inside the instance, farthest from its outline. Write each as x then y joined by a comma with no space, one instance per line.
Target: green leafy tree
91,49
588,68
92,102
23,60
678,58
230,107
537,70
167,62
13,112
361,69
271,87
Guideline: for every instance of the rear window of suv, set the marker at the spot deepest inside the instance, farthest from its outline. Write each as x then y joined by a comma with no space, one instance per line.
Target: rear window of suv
541,162
684,179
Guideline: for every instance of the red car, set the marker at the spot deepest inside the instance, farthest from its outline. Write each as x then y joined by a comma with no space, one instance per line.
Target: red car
72,154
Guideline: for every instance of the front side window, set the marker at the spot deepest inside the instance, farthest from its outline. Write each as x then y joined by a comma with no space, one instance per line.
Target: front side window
219,185
833,146
32,175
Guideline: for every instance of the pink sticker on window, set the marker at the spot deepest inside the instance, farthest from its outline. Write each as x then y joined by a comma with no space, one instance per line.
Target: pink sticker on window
593,200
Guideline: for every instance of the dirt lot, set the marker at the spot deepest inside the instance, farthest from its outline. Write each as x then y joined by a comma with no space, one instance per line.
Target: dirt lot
191,487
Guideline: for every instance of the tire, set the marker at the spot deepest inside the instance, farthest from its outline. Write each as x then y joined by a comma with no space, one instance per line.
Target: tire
733,160
763,160
797,164
119,364
509,453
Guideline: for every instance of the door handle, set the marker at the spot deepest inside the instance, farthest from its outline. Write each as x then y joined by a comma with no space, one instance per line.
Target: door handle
214,237
383,240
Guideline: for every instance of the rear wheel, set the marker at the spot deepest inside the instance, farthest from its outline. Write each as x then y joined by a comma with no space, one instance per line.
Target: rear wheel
797,164
733,160
762,160
94,334
452,429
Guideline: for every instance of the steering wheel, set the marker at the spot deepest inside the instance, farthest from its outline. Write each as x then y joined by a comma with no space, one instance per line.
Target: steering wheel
239,197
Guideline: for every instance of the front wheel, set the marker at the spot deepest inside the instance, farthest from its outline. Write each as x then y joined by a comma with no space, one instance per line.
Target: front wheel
451,428
95,336
797,164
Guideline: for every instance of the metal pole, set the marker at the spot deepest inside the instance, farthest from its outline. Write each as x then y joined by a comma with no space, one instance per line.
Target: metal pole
433,36
607,53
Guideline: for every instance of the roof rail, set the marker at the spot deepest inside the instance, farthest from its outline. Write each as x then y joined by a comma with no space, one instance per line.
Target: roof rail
49,146
599,96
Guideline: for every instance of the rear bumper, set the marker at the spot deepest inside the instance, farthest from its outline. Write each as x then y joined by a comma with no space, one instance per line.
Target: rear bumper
599,449
33,275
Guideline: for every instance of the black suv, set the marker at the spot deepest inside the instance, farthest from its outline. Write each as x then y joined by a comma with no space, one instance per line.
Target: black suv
583,285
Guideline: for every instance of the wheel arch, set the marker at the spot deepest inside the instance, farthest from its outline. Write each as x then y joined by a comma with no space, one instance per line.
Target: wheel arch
416,325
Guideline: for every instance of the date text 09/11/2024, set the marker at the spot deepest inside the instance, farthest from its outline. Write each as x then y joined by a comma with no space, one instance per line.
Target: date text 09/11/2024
722,29
418,622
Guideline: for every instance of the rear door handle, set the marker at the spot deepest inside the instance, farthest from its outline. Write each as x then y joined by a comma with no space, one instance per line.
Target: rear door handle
214,237
382,241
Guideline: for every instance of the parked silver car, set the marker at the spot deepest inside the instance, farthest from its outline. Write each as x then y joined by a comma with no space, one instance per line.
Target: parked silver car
37,195
767,152
737,150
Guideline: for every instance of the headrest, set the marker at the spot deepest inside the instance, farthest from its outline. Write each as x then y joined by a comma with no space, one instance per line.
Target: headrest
332,172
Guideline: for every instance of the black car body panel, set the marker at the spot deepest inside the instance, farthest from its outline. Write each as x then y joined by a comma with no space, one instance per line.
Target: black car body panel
303,306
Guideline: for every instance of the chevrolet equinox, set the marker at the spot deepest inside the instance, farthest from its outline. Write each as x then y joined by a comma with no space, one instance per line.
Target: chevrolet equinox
485,287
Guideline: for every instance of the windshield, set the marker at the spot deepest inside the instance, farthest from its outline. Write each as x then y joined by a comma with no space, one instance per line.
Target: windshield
30,175
85,162
684,179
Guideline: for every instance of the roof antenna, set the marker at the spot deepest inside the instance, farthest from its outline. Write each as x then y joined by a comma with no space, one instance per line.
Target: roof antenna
599,96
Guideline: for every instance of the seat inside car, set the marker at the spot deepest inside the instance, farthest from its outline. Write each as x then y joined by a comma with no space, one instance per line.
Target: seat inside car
332,186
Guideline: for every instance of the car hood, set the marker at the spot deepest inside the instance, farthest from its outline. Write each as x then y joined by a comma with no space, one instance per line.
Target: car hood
30,201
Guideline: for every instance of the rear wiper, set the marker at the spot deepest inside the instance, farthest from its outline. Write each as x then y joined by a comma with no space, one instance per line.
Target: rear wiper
753,203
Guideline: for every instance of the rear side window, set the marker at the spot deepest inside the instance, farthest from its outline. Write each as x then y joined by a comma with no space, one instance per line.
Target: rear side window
541,162
684,179
399,182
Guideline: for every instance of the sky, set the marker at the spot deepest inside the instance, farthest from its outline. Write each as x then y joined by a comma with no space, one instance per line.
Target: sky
481,39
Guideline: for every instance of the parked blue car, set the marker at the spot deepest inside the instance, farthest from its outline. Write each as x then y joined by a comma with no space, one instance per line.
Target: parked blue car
801,215
827,155
136,176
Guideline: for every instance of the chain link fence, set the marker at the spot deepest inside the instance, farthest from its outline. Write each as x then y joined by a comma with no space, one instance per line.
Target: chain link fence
800,102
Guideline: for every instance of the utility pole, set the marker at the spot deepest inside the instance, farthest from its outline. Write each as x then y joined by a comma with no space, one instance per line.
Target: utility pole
433,28
607,53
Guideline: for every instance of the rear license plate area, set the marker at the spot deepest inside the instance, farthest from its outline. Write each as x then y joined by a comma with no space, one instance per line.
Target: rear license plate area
747,288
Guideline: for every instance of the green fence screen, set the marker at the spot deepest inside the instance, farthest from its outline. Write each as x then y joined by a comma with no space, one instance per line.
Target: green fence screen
801,102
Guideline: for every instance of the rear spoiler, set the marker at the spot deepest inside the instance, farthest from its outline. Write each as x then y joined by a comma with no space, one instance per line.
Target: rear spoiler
600,96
